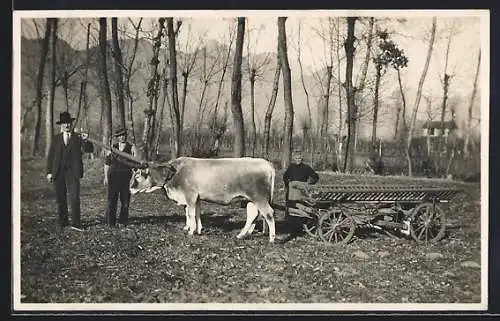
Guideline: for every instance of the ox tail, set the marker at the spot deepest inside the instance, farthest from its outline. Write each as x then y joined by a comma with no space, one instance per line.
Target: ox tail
273,177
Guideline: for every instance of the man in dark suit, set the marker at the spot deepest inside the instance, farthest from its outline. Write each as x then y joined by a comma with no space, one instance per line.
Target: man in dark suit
65,168
117,175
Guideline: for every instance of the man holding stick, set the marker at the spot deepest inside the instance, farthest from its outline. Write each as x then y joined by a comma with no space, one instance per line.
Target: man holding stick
65,169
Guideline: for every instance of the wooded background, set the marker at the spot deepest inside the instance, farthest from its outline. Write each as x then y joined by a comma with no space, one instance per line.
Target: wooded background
341,88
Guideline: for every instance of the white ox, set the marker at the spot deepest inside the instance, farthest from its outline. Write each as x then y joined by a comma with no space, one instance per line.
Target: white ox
188,180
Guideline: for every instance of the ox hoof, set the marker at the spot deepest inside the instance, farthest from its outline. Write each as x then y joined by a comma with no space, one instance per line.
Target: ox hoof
185,228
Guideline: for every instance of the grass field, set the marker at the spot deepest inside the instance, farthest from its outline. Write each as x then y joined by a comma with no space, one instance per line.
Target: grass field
153,260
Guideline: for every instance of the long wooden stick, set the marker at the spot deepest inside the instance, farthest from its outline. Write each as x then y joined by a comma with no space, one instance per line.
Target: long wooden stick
115,150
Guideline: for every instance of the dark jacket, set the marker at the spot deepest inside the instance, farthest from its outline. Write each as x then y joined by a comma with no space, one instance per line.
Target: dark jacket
72,154
300,173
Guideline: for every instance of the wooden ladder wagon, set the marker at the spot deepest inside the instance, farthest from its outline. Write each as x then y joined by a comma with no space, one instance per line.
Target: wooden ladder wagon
333,213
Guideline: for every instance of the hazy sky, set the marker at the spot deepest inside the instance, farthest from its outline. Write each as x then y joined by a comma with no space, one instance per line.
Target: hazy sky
470,32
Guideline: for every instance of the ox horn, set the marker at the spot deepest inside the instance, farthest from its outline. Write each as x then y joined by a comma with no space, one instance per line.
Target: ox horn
116,151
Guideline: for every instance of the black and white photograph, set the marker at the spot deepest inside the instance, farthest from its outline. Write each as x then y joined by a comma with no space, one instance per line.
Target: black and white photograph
314,160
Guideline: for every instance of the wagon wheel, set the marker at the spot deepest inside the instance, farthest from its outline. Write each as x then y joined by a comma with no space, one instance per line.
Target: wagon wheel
427,223
336,227
310,226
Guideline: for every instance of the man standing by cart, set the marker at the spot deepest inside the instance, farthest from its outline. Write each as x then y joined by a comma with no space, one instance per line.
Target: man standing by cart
297,178
117,175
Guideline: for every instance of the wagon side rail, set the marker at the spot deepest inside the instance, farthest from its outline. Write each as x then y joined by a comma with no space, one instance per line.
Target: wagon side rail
381,194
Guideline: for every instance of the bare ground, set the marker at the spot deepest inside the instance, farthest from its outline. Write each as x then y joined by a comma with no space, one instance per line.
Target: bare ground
153,260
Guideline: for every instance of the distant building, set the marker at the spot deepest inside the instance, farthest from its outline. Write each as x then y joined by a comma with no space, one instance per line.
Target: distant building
431,134
433,128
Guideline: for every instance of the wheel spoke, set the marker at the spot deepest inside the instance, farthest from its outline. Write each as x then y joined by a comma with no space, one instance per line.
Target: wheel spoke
421,233
331,236
328,233
341,223
419,227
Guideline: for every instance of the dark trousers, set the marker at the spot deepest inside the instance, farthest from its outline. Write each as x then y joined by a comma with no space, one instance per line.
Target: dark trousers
294,222
118,187
66,182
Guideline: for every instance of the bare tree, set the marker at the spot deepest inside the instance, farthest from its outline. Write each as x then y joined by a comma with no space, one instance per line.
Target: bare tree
446,83
388,54
82,99
339,87
208,72
219,127
152,93
118,74
164,98
177,129
39,85
351,108
107,115
400,110
187,65
68,63
255,69
239,128
270,106
306,92
418,96
49,124
287,92
128,76
471,104
360,86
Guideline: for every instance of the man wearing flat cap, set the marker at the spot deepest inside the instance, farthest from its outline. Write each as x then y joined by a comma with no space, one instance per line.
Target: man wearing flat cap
297,178
118,172
65,169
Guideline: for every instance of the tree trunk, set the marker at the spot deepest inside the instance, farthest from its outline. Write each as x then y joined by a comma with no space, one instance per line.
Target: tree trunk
239,129
118,63
364,70
221,81
308,103
39,86
419,96
375,103
177,129
287,92
396,125
162,112
152,92
104,83
49,123
253,128
471,104
403,99
351,108
185,78
339,85
326,123
446,82
128,92
270,107
82,101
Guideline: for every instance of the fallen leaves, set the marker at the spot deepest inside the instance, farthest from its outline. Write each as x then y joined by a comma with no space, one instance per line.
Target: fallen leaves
154,261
